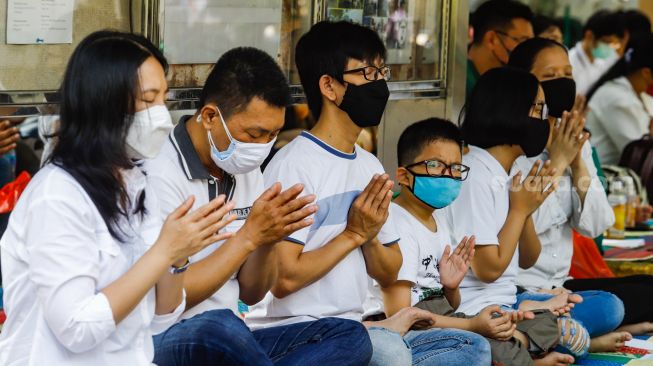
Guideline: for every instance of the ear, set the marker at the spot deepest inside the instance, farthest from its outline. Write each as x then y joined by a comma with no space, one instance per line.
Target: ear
490,39
647,73
403,177
208,114
589,35
327,87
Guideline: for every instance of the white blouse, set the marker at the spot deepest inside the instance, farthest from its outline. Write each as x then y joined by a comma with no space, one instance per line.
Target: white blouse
554,220
57,255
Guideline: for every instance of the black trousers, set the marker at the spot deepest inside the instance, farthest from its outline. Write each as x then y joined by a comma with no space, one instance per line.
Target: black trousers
636,292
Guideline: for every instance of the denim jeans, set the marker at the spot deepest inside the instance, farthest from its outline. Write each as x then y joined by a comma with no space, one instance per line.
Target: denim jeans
428,347
600,312
219,337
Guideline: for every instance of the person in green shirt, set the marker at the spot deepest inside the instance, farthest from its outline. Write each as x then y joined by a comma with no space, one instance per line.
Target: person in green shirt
498,27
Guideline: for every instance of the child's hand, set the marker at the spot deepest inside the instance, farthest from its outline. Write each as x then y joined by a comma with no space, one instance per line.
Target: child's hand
492,322
528,195
454,266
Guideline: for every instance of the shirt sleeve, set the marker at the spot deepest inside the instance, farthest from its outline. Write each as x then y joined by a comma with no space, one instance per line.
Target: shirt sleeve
410,253
289,174
168,196
64,266
161,323
623,123
472,213
389,235
595,215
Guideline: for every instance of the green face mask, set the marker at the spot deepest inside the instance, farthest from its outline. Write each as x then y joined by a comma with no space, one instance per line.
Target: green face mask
603,51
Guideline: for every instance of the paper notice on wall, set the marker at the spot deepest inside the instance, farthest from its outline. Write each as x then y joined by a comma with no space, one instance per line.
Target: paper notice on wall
40,21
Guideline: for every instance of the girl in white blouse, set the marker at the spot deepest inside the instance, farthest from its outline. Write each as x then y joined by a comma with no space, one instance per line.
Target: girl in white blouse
90,268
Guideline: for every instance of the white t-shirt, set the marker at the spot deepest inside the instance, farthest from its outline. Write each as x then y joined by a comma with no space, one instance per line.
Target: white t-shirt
336,178
176,174
481,209
616,117
57,256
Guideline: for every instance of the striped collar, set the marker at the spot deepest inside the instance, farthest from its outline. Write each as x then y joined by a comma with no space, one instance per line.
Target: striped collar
190,161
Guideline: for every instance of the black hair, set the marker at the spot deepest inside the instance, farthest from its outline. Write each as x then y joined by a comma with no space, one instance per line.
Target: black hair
98,96
497,14
638,55
524,55
242,74
325,50
498,107
542,23
636,22
605,23
418,135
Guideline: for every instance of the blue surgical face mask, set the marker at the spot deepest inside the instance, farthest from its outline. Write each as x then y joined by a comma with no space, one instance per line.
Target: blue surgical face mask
437,192
603,51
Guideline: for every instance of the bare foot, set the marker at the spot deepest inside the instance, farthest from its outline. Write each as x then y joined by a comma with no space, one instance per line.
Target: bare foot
637,329
559,304
554,359
609,342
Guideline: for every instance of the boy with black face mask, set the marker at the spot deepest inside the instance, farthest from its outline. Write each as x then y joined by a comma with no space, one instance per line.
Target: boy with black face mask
323,270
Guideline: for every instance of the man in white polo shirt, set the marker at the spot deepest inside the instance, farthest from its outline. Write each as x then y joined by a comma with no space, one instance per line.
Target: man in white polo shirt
219,150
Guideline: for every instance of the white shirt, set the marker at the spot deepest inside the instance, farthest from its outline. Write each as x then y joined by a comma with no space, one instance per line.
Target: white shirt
421,250
554,220
616,117
336,179
481,209
57,255
176,174
585,72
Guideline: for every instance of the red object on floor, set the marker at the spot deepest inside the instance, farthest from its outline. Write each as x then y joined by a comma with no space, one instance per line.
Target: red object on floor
11,191
587,261
3,316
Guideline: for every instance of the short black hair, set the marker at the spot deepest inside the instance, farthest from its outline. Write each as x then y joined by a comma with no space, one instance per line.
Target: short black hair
524,55
498,107
325,50
497,14
606,23
242,74
636,22
541,23
416,136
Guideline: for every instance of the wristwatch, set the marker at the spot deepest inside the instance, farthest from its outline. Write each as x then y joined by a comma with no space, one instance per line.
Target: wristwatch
177,270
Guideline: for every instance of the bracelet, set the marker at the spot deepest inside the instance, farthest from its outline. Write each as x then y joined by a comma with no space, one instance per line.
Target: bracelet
177,270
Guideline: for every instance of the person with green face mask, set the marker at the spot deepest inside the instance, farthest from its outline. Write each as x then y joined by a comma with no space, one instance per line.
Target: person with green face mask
604,36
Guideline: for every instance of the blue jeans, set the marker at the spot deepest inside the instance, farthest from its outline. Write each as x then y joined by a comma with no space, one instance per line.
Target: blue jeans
428,347
600,312
219,337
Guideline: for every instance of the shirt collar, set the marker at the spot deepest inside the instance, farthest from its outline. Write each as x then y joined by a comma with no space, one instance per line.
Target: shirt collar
190,161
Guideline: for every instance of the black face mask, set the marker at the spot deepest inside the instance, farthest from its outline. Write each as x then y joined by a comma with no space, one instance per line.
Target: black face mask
365,103
536,135
560,95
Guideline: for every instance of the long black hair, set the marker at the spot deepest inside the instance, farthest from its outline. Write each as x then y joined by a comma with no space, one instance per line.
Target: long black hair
524,55
98,96
498,107
638,55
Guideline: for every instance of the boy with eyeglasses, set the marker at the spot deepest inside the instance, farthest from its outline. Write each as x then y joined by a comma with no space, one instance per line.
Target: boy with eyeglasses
325,270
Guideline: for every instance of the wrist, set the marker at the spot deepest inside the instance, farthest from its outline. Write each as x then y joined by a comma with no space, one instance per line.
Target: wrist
354,238
159,251
451,290
246,240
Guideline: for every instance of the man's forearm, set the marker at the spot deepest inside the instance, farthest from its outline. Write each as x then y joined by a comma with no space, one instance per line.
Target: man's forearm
257,274
382,262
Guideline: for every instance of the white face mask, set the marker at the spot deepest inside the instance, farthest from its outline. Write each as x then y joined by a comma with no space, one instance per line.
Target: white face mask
148,132
240,157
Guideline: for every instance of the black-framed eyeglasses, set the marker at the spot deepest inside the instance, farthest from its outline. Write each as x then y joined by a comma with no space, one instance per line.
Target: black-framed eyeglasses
436,168
517,40
371,73
543,108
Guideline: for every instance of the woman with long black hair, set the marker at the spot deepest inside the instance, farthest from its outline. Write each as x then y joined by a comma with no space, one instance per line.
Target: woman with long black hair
90,269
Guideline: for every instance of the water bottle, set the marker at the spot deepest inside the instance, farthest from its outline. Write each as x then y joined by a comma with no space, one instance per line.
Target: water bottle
632,202
617,199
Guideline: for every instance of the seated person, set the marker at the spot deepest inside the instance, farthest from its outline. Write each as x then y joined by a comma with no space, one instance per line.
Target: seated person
616,114
506,118
216,151
580,204
324,269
